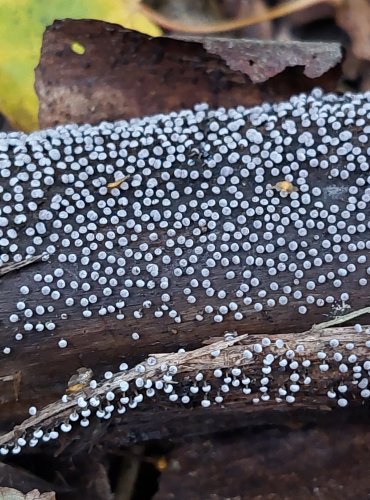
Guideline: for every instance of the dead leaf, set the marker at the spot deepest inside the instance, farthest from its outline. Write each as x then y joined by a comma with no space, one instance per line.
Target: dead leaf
13,494
125,74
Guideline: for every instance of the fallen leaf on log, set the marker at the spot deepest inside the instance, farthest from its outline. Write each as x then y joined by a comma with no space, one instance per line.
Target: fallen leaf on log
124,74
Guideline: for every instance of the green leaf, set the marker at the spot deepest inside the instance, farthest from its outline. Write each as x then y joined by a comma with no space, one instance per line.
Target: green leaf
22,23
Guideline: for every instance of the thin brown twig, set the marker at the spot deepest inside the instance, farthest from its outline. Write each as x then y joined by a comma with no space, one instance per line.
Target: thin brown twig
233,24
339,320
58,410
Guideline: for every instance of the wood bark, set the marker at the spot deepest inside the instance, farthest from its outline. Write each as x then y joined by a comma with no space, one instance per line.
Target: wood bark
37,372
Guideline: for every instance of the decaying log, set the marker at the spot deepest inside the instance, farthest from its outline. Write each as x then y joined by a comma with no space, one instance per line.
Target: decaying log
247,221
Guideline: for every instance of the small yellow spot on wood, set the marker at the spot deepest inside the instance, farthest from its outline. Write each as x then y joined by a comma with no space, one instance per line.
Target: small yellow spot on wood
78,48
285,186
118,182
79,380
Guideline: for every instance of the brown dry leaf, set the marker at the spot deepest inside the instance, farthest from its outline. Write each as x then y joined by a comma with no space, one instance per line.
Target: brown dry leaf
13,494
124,74
354,18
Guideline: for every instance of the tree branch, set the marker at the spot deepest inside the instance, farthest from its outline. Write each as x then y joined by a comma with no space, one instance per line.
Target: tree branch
321,359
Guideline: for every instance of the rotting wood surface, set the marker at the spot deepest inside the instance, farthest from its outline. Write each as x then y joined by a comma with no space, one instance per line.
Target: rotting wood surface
101,342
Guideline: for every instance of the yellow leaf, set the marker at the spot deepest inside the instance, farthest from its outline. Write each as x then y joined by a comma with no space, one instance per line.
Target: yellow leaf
22,23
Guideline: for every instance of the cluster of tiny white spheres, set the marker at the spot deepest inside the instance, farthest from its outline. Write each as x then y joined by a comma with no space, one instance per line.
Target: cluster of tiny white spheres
267,371
197,225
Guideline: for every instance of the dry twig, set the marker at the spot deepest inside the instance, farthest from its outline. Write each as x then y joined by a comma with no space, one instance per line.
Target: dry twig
279,11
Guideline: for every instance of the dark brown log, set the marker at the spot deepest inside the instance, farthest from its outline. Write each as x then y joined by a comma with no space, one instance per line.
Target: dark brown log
35,371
